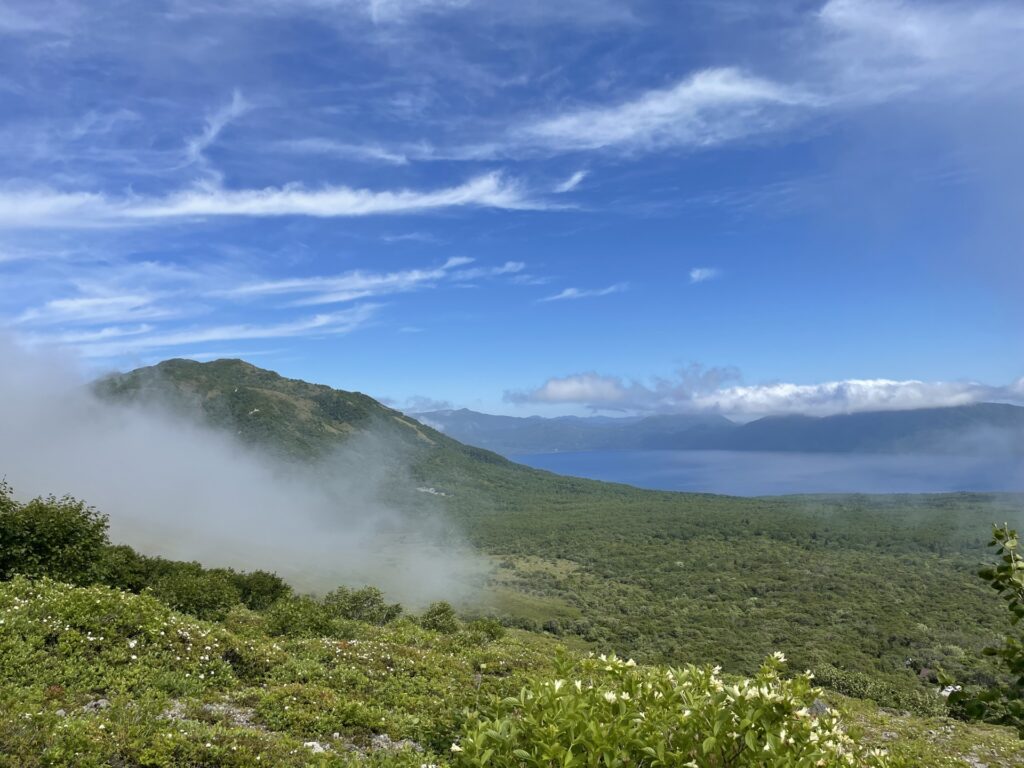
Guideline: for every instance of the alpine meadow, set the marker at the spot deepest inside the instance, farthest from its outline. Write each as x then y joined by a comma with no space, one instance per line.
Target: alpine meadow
468,384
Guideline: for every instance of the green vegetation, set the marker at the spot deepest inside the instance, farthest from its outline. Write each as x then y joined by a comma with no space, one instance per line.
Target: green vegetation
877,595
61,537
1002,702
607,712
876,592
95,675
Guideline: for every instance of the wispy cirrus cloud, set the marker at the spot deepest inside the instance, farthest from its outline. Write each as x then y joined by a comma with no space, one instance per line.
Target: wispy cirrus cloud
696,390
570,294
851,54
404,12
571,183
882,49
95,309
345,150
183,309
703,109
215,123
703,274
116,342
361,284
39,207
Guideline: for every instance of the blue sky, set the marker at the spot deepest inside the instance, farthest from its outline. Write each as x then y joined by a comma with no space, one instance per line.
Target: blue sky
526,207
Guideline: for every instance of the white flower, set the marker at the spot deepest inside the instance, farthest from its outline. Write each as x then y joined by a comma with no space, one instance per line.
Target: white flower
579,685
610,697
455,747
630,663
779,656
558,684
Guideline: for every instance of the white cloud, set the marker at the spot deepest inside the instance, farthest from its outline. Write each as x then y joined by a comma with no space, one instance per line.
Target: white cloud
360,284
583,293
703,274
344,151
488,191
707,108
103,319
89,337
880,49
695,390
94,309
42,207
587,388
477,273
851,53
333,323
215,123
399,12
571,183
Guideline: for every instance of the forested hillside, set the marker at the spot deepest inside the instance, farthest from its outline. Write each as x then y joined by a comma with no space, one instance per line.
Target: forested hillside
876,593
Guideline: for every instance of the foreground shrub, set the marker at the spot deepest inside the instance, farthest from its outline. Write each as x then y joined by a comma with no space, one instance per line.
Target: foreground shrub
103,640
258,590
440,617
60,538
1003,702
190,588
366,604
607,712
300,616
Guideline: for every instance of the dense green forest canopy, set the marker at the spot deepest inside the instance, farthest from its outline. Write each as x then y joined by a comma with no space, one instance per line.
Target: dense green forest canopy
132,660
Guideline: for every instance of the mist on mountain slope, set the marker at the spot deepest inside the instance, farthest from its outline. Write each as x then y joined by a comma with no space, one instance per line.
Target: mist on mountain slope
176,488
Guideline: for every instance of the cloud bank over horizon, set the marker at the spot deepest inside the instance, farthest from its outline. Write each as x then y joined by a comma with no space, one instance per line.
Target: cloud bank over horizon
698,390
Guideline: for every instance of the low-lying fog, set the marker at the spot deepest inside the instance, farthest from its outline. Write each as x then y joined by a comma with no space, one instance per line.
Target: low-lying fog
181,490
752,473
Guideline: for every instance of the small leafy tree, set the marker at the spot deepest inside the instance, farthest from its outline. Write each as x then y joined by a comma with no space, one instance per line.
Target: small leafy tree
124,568
1004,702
188,587
300,616
61,538
440,617
259,589
366,604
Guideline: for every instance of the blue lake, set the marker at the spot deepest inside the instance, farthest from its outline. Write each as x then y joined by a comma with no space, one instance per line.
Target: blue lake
750,473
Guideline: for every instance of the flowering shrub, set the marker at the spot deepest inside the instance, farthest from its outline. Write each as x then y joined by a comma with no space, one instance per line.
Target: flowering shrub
609,712
100,639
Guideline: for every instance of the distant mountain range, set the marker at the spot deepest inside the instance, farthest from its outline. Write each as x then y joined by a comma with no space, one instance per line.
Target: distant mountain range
980,428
